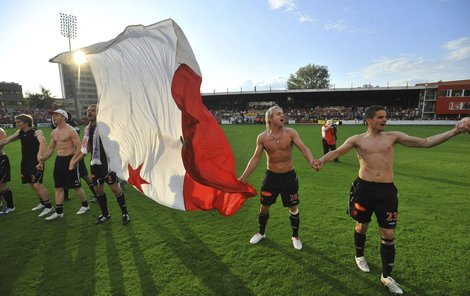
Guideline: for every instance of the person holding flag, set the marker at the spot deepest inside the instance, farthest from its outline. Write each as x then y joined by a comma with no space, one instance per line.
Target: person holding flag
99,169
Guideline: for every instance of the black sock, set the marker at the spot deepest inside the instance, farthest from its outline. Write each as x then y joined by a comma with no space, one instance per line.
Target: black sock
47,204
59,209
359,243
295,222
122,203
263,220
387,252
103,202
85,203
8,196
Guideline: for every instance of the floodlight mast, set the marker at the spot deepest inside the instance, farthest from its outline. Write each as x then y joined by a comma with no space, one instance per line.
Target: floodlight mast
68,29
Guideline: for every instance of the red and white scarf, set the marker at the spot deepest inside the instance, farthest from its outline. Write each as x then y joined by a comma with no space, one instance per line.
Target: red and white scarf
95,149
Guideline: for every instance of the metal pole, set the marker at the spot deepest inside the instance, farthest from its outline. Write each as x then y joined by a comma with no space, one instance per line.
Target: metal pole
68,29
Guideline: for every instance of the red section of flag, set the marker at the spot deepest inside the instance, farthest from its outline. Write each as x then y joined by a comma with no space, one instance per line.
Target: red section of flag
210,181
134,177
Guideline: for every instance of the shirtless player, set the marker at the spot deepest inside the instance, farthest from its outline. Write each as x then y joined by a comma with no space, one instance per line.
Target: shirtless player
373,190
67,142
280,178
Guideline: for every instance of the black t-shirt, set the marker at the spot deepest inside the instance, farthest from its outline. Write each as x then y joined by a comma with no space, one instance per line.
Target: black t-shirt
29,147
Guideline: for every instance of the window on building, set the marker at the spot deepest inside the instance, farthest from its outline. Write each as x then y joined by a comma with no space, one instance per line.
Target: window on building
457,92
430,94
466,93
459,106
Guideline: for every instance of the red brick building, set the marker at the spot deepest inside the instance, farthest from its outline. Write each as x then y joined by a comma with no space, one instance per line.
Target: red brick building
448,98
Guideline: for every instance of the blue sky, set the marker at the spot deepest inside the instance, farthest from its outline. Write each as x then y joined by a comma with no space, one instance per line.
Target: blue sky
248,43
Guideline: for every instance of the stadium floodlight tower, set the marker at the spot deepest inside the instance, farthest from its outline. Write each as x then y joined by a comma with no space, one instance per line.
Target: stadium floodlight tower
68,29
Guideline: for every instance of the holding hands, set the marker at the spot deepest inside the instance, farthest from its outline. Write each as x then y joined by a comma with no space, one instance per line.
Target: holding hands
317,164
40,166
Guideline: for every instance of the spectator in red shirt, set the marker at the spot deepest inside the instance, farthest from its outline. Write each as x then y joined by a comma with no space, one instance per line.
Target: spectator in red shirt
328,137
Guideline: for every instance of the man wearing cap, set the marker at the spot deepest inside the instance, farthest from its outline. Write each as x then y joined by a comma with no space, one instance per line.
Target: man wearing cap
328,137
67,142
82,170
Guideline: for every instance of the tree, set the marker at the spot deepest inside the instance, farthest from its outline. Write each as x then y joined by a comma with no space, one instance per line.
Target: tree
309,77
42,100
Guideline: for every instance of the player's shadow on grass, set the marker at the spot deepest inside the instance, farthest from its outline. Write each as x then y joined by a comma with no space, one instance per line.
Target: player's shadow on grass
114,265
68,266
199,259
143,268
13,267
433,179
85,260
304,258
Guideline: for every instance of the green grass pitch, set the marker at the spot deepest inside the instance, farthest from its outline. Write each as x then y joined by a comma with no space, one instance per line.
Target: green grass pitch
169,252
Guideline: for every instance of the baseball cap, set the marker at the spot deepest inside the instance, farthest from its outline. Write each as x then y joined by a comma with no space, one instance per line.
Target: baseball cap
61,112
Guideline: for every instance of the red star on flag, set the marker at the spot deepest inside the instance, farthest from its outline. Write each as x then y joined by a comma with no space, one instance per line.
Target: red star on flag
134,177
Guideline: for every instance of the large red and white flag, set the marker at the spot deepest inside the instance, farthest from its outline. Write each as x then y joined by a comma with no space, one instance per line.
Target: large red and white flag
156,131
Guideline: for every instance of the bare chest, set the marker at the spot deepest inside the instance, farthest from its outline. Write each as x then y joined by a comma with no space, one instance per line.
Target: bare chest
375,147
61,136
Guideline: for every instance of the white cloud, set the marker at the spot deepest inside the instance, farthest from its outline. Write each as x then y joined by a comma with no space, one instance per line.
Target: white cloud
304,18
276,83
388,67
459,49
409,69
341,26
290,7
278,4
338,26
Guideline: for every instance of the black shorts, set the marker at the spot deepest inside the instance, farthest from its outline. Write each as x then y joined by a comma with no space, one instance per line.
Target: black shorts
63,177
30,174
82,170
285,184
366,198
100,175
4,169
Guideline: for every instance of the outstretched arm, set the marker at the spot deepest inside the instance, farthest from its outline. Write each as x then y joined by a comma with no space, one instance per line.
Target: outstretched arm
410,141
343,149
253,163
10,138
